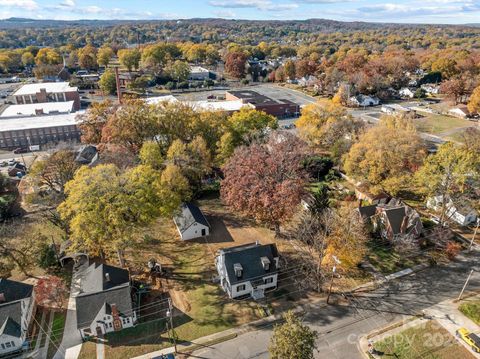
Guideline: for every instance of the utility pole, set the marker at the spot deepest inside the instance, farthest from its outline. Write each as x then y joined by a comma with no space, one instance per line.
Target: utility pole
474,234
334,269
170,315
465,285
119,90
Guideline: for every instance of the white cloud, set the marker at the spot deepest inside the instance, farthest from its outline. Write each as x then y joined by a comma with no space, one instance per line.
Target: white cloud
225,14
93,9
21,4
68,3
264,5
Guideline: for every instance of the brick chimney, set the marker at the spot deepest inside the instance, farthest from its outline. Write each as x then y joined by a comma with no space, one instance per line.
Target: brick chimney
2,298
39,111
42,95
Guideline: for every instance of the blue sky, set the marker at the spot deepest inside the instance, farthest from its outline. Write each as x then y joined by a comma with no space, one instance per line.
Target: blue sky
409,11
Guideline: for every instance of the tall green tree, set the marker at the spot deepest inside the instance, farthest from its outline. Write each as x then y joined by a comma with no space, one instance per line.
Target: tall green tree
292,339
129,58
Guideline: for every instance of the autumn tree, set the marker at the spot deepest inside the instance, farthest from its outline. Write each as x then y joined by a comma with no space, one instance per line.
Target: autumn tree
386,156
87,57
157,56
28,59
266,180
242,128
329,127
91,123
104,56
55,171
178,70
104,205
193,159
51,292
129,58
289,69
151,155
108,83
446,66
446,173
235,63
292,339
48,56
474,102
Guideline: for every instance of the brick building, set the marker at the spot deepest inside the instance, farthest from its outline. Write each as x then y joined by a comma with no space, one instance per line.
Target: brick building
282,108
47,92
38,130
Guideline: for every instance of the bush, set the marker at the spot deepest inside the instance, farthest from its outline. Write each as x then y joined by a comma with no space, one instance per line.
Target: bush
170,85
182,85
452,249
244,82
317,167
47,257
471,310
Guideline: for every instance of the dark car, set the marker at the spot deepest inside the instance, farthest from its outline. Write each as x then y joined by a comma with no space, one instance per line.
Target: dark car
20,150
165,356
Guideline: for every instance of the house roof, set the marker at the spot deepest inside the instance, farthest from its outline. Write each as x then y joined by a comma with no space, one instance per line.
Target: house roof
11,327
86,155
249,257
101,277
189,215
395,217
13,290
367,211
32,108
46,121
90,304
10,318
50,87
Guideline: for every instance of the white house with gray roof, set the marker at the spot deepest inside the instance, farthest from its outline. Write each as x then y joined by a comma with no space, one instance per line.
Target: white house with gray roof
248,270
191,223
17,304
104,303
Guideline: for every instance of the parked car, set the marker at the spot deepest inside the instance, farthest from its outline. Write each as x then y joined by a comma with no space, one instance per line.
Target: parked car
20,150
12,162
4,164
472,339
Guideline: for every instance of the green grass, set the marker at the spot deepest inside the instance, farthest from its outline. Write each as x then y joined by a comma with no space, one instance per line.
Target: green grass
436,124
426,341
471,310
57,333
385,259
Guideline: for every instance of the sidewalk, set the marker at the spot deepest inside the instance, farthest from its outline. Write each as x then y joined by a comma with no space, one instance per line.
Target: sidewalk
445,313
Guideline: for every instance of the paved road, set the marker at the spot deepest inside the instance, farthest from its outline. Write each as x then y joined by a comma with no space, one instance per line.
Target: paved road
339,326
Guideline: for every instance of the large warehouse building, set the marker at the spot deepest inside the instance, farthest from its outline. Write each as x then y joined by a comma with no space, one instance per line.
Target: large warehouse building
38,130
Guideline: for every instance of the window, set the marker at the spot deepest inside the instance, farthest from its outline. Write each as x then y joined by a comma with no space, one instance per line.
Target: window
241,287
8,345
109,325
268,280
13,344
3,346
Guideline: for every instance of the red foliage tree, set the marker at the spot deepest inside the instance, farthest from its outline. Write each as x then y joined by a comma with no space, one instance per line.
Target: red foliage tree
51,292
266,180
235,64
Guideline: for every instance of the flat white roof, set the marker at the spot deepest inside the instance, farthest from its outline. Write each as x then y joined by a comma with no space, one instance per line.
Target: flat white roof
160,99
25,123
50,87
202,105
30,109
198,69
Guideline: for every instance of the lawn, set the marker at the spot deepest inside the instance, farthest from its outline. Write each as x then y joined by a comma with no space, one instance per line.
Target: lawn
201,306
385,259
437,124
57,333
471,309
426,341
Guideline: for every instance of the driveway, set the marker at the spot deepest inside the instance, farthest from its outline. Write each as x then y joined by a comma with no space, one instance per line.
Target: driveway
341,326
71,343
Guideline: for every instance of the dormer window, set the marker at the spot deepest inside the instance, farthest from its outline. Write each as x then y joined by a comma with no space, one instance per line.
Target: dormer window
265,263
237,267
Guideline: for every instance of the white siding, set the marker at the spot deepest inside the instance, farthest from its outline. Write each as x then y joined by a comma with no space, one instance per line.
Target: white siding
194,231
9,344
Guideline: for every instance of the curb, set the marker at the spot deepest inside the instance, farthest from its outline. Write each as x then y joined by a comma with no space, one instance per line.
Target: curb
393,276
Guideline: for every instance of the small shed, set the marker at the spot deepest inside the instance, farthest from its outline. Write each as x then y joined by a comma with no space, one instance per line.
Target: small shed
191,223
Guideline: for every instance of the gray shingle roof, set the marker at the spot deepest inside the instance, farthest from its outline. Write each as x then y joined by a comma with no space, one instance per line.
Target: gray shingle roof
11,327
189,215
13,290
395,217
90,304
96,278
10,315
249,256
